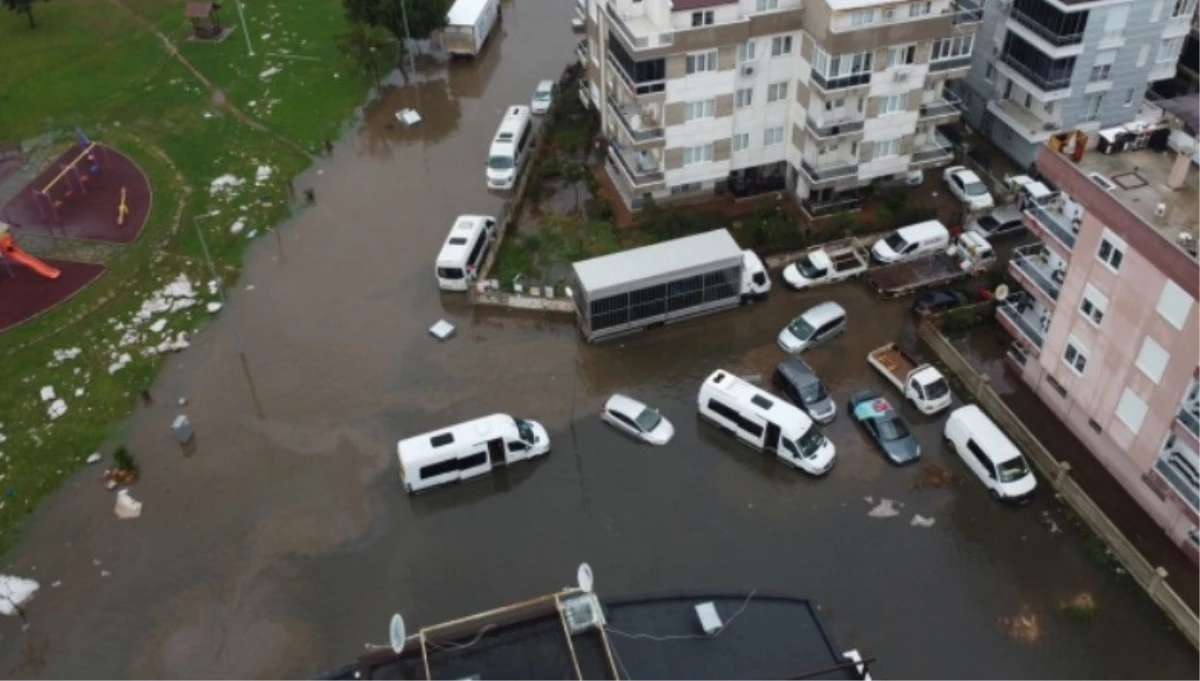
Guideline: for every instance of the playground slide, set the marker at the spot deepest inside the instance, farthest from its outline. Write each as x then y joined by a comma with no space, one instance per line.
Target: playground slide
22,258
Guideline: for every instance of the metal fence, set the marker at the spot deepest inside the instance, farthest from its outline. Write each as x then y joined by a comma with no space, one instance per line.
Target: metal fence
1149,577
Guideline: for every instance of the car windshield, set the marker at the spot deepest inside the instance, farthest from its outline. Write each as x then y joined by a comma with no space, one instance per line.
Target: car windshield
975,189
813,392
810,442
800,328
895,242
988,223
808,269
892,429
1013,470
541,95
500,162
938,388
525,431
649,419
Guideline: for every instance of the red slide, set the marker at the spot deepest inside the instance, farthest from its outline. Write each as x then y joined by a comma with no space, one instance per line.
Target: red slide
22,258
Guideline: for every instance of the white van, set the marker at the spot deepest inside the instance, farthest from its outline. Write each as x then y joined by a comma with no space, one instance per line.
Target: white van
913,241
463,253
468,450
989,454
513,143
764,422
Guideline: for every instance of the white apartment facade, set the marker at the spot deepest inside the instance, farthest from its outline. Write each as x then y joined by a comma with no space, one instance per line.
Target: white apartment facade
818,97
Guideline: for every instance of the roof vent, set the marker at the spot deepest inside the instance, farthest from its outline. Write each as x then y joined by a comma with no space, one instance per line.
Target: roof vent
710,621
1105,183
582,613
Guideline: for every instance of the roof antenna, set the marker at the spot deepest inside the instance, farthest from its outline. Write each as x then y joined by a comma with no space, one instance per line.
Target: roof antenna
584,578
397,634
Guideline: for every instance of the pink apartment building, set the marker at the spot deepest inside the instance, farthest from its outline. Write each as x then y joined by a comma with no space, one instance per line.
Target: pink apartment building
1105,320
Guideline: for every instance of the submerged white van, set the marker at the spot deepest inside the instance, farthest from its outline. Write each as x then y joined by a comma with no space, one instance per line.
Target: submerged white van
468,450
510,148
990,455
765,422
913,241
464,251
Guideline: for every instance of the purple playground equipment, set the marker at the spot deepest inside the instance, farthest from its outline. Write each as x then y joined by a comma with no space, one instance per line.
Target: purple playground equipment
69,181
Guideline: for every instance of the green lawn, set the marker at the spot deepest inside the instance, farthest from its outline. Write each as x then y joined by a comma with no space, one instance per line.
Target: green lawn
91,64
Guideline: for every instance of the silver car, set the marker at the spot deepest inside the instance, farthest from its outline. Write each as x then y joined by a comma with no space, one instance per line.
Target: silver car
801,385
634,418
543,97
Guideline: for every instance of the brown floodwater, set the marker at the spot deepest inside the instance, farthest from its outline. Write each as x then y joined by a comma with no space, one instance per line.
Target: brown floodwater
282,541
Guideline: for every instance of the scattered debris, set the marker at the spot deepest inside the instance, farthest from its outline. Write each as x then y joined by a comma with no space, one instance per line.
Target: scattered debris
55,584
94,457
443,330
213,307
919,520
127,507
269,72
263,174
238,226
253,233
15,592
79,392
182,427
1046,520
182,401
66,355
1024,626
408,116
48,393
123,360
159,325
932,476
106,573
57,409
225,183
1082,605
886,508
250,287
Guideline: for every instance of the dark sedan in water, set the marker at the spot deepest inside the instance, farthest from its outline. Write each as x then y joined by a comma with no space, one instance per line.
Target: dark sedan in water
886,426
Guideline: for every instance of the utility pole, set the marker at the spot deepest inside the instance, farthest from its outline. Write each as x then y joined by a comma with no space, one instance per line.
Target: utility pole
212,271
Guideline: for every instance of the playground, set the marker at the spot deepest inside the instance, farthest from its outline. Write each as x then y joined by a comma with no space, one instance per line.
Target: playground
26,293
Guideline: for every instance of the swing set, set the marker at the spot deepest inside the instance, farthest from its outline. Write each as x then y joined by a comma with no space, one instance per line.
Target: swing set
70,181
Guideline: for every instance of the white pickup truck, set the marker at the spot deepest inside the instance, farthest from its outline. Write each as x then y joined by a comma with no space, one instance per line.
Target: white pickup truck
921,384
827,264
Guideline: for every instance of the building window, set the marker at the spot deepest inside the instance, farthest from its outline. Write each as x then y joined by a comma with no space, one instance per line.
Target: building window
1100,72
700,62
1168,50
885,148
777,91
862,17
919,9
1180,466
1048,107
1131,410
1174,304
989,71
696,111
1183,8
772,136
953,48
686,188
901,56
1075,355
741,141
1143,55
704,18
1152,359
1094,305
1129,97
746,52
781,44
892,104
1111,251
844,70
1091,106
766,5
699,154
743,97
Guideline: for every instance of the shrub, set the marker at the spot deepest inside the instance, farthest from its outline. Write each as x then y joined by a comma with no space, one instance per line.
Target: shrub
959,321
895,198
883,217
533,189
842,223
123,460
548,168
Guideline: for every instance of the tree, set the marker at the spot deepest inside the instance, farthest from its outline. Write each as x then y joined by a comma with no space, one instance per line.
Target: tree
423,17
369,47
22,7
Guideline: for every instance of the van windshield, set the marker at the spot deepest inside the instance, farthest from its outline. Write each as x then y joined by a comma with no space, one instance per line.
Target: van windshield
525,431
808,269
814,392
895,242
938,388
449,273
810,442
1013,470
649,419
500,162
800,328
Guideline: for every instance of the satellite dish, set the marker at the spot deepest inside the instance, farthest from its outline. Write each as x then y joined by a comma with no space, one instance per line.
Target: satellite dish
397,634
585,578
1001,292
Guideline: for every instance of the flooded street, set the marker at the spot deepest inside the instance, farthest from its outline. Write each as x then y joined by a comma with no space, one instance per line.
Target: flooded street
281,541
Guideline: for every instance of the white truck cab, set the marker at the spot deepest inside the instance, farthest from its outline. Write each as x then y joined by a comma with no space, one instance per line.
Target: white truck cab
755,282
921,384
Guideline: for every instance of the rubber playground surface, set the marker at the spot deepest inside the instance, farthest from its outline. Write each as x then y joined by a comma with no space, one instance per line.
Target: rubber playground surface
24,295
90,213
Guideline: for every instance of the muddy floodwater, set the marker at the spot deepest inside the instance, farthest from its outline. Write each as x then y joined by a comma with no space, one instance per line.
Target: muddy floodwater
282,541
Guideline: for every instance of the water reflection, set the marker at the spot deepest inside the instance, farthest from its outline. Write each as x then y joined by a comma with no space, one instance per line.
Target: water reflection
381,132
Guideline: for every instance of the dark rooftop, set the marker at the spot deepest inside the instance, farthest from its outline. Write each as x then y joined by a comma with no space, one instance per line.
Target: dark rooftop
660,637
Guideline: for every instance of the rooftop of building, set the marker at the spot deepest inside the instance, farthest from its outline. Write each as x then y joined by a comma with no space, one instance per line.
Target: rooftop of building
761,636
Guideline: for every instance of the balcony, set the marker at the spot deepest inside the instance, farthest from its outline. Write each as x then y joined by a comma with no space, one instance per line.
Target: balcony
840,82
639,32
828,173
641,170
581,50
1177,465
1031,267
637,125
941,110
1020,315
1048,35
933,153
832,130
1043,87
638,89
1187,419
1023,121
581,10
1163,70
966,12
940,65
1052,225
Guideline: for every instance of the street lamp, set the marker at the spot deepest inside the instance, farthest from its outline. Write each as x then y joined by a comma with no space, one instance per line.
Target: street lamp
212,271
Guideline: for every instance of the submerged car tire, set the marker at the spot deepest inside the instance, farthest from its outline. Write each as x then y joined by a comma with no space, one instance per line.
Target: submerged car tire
994,494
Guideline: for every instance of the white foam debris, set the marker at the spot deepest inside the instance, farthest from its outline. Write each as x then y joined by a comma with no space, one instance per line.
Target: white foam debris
885,509
269,72
67,354
47,393
129,338
253,233
225,184
237,226
15,592
94,457
266,36
213,307
57,409
263,174
181,287
180,342
79,392
158,325
127,507
120,363
921,521
3,438
408,117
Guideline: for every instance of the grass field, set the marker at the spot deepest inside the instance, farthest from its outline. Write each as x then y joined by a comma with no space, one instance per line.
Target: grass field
104,66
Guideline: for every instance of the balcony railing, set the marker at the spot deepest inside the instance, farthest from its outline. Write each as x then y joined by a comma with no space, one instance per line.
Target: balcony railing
839,82
581,50
651,39
1053,222
1173,471
947,64
641,170
1189,420
648,87
1017,313
1043,82
1040,30
1031,262
828,173
634,124
939,151
967,13
834,129
939,108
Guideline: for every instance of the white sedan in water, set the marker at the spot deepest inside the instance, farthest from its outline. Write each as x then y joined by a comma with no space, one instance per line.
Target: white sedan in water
966,186
634,418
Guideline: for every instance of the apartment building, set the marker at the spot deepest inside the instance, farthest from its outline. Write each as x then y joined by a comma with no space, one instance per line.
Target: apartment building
1045,66
1104,318
819,97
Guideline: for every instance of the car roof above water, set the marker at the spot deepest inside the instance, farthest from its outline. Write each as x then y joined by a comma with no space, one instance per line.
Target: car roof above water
797,372
624,404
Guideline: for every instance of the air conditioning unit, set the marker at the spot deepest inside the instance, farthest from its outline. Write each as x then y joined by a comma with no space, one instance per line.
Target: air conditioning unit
748,69
900,77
